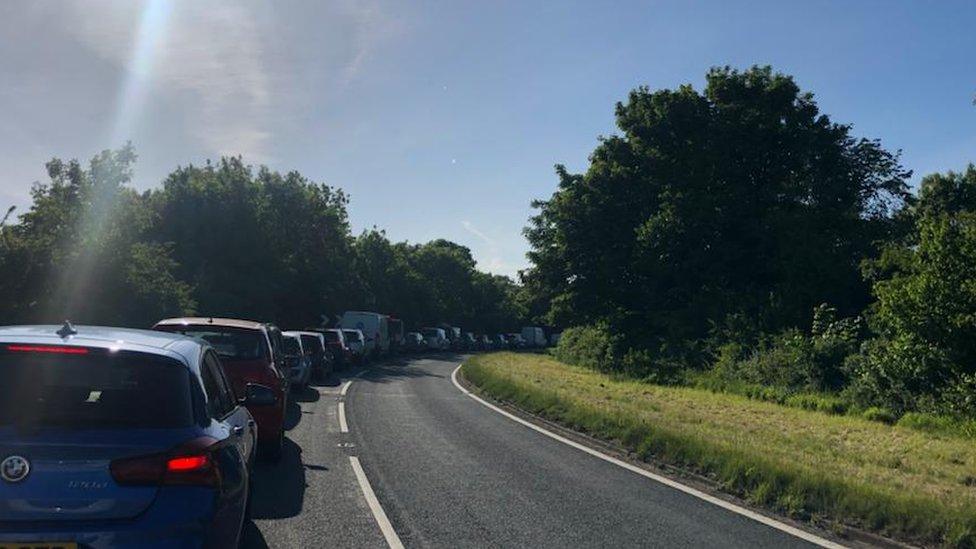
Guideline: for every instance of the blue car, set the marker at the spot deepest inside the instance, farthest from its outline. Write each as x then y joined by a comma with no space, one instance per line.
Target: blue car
120,438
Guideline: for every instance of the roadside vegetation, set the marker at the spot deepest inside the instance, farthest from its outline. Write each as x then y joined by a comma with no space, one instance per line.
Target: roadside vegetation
223,239
737,239
891,479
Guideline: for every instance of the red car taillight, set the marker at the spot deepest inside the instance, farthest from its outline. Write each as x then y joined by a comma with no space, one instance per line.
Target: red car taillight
52,349
190,464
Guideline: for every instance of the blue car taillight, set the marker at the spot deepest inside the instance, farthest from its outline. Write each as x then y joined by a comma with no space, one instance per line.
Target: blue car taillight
190,464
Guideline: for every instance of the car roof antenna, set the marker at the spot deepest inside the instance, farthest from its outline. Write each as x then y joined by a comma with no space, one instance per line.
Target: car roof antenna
66,329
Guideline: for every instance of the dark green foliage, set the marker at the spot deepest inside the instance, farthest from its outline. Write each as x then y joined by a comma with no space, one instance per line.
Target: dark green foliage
224,240
592,347
79,251
435,282
925,315
705,232
740,200
600,348
793,360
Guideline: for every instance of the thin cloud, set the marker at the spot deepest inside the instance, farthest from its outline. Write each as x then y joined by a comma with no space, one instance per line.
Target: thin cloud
209,54
495,264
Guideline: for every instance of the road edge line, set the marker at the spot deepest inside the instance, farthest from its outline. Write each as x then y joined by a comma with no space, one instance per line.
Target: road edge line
742,511
392,539
345,388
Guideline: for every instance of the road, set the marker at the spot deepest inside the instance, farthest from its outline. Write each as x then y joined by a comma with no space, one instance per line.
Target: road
448,471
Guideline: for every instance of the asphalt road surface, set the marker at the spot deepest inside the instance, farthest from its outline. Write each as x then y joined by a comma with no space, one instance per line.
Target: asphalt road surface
439,469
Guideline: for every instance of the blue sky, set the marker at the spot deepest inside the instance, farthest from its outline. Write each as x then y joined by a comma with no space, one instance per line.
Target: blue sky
444,119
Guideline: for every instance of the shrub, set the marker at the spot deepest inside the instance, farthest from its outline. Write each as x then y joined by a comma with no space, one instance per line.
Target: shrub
932,423
902,374
925,356
878,414
828,404
588,346
601,348
792,360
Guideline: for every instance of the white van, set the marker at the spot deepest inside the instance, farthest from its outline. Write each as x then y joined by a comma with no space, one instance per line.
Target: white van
374,328
436,339
534,336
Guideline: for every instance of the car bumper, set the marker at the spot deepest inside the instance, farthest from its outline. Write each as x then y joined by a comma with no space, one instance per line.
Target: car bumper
178,518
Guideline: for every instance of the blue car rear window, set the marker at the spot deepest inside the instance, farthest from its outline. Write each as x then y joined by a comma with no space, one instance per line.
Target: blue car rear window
94,391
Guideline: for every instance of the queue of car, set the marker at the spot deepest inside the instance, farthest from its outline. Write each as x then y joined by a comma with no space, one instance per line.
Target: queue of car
140,438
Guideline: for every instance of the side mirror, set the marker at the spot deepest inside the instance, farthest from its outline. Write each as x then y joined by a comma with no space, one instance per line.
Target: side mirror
258,395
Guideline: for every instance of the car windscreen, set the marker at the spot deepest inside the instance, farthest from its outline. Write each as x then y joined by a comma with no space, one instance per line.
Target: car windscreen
291,345
332,337
93,391
431,333
311,344
352,336
230,343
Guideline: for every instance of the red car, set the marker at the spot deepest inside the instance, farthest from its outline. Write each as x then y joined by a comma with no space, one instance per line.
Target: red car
251,353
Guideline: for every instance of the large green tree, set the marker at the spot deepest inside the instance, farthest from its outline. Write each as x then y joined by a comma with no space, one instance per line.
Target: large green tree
224,239
79,252
925,314
257,244
742,201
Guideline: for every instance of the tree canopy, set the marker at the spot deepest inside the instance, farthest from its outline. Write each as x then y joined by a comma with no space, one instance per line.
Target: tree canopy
742,201
224,239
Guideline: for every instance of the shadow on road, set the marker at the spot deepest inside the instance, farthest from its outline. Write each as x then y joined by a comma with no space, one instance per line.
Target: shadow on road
406,366
293,414
252,537
306,394
279,488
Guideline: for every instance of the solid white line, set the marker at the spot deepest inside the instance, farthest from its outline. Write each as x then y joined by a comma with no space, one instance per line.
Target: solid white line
392,539
345,387
343,427
783,527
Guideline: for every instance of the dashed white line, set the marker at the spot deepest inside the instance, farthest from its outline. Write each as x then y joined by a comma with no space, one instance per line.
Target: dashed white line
343,427
783,527
392,539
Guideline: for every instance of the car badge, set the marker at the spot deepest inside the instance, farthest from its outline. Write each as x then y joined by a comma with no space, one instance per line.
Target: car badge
14,468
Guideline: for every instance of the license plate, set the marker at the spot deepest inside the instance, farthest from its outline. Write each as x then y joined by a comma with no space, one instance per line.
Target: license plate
36,545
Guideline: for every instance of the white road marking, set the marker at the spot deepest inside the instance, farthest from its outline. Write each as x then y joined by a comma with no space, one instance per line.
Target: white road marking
343,427
772,523
345,387
392,539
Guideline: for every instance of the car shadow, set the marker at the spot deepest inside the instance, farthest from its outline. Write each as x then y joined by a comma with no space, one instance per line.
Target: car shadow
293,414
306,394
252,538
279,488
332,379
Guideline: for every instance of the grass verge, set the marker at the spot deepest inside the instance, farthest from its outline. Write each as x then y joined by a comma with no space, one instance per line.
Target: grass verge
900,482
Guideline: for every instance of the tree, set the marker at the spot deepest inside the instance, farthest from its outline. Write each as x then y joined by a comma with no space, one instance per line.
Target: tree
925,314
77,252
743,200
264,246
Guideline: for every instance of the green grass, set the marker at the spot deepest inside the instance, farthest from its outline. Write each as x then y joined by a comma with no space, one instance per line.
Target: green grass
915,485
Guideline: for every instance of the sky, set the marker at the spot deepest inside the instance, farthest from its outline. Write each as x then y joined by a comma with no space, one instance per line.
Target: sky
445,119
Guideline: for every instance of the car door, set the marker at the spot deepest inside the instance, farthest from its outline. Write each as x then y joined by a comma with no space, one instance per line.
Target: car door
238,418
231,425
